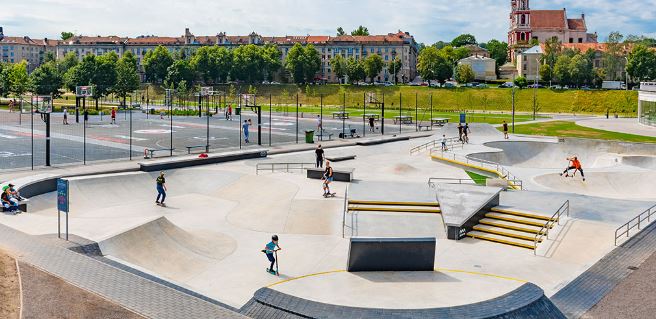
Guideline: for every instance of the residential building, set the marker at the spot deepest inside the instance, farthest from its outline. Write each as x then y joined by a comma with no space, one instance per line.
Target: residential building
484,67
530,26
17,49
528,63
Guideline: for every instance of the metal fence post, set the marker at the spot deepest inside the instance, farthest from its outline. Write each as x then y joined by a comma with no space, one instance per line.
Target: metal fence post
321,117
364,114
270,99
296,118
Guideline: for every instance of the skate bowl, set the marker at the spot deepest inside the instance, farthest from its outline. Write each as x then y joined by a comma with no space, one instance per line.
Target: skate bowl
619,185
552,155
161,247
647,162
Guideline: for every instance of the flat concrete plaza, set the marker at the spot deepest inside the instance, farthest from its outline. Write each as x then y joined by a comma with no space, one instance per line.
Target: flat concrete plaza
208,240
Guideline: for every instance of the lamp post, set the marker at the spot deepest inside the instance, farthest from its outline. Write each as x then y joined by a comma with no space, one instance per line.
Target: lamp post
626,74
394,64
535,87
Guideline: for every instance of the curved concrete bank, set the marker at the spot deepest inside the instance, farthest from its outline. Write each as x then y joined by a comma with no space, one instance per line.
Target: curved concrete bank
527,301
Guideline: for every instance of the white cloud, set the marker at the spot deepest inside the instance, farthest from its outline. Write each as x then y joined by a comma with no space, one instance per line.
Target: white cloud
428,20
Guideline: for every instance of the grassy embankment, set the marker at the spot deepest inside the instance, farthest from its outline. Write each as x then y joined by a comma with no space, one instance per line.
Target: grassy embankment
570,129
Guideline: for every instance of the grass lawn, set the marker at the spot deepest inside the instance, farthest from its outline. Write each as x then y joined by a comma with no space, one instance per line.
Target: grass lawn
477,178
570,129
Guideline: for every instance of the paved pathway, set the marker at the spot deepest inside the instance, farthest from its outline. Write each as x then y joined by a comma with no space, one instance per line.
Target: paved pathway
623,125
138,294
575,299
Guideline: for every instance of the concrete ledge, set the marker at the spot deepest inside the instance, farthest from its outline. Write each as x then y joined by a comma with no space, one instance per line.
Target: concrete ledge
340,158
342,175
391,254
194,160
527,301
382,140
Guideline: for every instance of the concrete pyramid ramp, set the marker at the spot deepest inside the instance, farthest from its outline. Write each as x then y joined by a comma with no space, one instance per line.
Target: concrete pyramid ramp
461,203
163,248
391,192
478,131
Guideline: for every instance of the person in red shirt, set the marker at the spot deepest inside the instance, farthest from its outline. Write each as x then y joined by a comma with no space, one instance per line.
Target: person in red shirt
113,116
574,164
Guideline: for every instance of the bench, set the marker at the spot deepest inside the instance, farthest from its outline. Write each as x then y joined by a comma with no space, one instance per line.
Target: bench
153,150
439,121
427,127
323,133
352,133
404,119
341,115
192,160
391,254
340,158
189,148
341,175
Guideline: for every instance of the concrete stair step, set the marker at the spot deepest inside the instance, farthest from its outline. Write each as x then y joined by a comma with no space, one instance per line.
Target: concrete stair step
399,209
500,239
517,219
506,232
522,213
528,229
393,203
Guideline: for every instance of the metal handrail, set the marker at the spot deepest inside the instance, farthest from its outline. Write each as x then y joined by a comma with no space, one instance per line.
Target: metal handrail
501,171
544,230
286,166
431,181
434,143
344,212
641,217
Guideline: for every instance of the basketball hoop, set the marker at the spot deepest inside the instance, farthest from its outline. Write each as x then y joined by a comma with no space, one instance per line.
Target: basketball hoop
84,91
248,99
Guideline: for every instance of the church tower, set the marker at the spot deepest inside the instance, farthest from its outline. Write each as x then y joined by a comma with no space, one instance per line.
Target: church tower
519,34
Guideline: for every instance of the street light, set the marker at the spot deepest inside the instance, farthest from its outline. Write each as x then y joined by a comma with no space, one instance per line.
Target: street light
535,86
394,64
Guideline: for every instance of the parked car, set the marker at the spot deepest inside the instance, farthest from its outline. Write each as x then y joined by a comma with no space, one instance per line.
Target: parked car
535,86
266,82
450,85
387,83
483,86
506,85
274,83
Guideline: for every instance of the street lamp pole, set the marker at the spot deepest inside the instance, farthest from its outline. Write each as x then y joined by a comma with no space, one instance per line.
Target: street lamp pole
535,87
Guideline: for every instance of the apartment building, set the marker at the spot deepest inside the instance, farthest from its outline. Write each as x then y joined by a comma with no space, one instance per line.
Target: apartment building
17,49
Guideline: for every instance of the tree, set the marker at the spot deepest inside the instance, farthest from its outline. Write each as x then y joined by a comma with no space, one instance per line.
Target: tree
179,71
464,73
338,63
66,35
340,32
498,51
432,65
270,60
19,81
127,77
546,73
580,70
203,63
104,76
642,63
247,63
463,39
4,79
156,64
81,74
360,31
373,64
394,66
355,70
599,76
614,55
561,69
453,55
303,63
440,45
46,79
521,82
70,60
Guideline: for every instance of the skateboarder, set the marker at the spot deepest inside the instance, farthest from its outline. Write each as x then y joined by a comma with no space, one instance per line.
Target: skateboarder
444,148
113,116
245,127
505,130
161,189
270,249
327,179
319,154
574,164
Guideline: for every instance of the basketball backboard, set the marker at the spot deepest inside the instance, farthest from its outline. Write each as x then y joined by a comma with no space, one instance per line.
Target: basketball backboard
83,91
42,103
248,99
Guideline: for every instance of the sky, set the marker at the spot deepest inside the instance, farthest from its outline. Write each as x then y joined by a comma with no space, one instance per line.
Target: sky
428,20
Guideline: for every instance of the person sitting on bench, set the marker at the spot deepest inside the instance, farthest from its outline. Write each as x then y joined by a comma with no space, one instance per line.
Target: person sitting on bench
14,193
7,203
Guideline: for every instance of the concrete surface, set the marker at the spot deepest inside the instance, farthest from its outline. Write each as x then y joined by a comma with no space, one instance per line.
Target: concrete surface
460,202
623,125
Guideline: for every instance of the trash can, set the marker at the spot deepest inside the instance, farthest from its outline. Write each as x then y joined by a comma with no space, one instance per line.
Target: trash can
463,117
237,110
309,137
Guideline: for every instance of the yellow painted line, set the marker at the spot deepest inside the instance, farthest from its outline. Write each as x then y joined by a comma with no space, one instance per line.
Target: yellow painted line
512,185
436,269
522,214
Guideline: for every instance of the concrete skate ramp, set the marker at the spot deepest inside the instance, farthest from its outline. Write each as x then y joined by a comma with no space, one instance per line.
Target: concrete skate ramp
648,162
620,185
592,153
478,130
161,247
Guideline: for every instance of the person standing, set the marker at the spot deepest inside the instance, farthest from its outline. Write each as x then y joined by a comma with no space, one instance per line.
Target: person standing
319,156
113,116
505,130
319,124
465,133
270,250
161,189
245,127
11,106
65,111
229,113
444,148
460,133
86,116
372,124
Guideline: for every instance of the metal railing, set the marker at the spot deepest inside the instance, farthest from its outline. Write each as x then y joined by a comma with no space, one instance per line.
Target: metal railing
286,167
436,180
344,213
555,220
452,142
497,168
635,222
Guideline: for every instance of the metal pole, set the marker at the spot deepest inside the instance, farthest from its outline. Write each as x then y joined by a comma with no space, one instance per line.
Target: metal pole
240,112
400,108
32,125
170,102
513,109
84,131
296,118
270,100
259,121
535,88
321,116
364,114
416,114
47,117
382,117
343,115
130,132
66,226
207,133
431,111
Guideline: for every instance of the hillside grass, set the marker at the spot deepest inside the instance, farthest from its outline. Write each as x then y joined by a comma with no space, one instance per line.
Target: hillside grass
570,129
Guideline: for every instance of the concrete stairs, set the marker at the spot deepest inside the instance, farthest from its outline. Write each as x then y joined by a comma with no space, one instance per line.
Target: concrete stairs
512,227
395,207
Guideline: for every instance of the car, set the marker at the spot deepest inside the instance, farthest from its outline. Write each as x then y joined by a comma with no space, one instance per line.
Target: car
424,83
586,88
506,85
535,86
274,83
387,83
483,86
450,85
266,82
414,84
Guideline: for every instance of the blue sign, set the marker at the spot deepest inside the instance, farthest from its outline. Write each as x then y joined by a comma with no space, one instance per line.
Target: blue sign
463,117
62,195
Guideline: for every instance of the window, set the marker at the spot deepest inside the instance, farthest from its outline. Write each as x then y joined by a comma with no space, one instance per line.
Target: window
580,40
357,50
386,57
386,50
571,40
524,66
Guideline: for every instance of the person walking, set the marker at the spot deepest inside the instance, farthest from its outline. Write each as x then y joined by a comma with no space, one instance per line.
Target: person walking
229,113
444,148
271,250
113,116
372,124
86,116
505,130
574,164
319,124
245,127
11,106
161,189
465,133
65,112
319,156
460,133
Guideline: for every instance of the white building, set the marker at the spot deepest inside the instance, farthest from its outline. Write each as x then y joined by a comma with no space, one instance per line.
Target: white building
484,67
647,103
